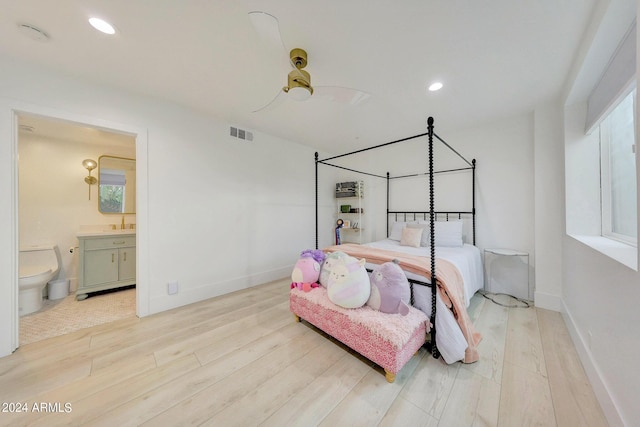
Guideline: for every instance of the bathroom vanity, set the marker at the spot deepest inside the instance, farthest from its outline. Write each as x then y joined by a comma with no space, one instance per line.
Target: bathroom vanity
107,261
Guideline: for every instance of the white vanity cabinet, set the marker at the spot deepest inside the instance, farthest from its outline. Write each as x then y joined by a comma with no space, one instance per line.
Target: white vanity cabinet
107,261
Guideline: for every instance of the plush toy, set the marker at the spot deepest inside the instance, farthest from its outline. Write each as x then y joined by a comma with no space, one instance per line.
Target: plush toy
330,260
349,285
307,270
390,291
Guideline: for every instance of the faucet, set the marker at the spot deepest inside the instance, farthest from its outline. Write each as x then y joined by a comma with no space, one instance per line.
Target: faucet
122,223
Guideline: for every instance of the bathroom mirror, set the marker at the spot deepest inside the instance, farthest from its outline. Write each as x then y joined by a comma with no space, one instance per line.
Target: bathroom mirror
117,185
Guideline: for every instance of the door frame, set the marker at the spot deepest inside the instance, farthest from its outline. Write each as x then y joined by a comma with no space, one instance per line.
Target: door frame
11,109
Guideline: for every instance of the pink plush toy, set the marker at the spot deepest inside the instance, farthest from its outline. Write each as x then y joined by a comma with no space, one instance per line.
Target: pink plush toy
307,270
390,291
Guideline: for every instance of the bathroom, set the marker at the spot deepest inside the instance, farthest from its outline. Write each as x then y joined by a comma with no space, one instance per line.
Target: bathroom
56,203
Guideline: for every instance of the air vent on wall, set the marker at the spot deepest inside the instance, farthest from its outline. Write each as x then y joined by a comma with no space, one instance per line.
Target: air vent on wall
241,133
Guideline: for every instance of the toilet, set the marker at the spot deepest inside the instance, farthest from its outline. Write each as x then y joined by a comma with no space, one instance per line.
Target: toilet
37,265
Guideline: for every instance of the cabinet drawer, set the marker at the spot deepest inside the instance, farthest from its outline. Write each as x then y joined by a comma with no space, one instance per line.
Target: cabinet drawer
110,242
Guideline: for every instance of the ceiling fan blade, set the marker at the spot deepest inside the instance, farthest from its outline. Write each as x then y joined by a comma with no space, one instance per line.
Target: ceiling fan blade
267,26
342,95
280,97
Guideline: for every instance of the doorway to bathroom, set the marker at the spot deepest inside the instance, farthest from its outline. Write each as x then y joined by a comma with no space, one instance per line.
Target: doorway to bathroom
58,200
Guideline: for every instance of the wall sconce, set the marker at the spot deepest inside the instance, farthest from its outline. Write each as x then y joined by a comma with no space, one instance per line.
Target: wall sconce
90,165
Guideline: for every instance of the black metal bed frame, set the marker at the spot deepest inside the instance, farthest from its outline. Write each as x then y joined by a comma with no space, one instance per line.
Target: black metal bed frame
433,215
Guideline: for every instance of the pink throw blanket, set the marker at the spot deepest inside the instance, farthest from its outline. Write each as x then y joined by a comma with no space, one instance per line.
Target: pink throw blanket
449,280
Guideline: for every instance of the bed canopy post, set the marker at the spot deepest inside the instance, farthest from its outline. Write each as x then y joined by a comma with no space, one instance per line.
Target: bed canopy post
388,179
434,287
316,157
473,199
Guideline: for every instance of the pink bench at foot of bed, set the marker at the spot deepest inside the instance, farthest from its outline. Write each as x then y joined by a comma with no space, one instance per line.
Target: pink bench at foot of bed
389,340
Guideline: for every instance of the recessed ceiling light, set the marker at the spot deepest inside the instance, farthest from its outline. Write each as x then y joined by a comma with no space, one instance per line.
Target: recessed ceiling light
102,25
435,86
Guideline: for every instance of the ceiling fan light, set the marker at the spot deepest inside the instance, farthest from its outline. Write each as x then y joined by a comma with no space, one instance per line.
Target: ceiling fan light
299,93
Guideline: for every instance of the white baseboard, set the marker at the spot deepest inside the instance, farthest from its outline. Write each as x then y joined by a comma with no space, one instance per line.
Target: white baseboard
189,296
598,384
548,301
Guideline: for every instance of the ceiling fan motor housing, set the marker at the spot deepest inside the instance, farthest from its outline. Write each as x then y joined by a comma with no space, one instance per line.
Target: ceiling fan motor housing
298,57
299,77
295,80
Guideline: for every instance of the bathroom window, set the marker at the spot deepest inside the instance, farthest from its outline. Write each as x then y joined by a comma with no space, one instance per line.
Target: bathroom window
112,191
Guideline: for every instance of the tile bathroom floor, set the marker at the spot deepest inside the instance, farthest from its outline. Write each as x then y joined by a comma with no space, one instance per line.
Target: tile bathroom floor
62,316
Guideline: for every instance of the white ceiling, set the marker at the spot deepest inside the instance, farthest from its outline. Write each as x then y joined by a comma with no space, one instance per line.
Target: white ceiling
496,58
59,130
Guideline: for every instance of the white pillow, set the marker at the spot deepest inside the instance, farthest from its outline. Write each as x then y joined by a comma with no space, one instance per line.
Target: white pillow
396,230
411,237
448,233
424,240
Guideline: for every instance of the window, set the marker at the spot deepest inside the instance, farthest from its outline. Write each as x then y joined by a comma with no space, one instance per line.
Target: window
112,186
618,173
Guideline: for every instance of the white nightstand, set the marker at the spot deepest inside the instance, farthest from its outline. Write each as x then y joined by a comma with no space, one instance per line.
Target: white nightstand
507,272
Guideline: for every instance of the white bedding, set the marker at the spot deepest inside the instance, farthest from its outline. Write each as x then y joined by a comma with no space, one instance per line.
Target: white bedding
466,258
449,338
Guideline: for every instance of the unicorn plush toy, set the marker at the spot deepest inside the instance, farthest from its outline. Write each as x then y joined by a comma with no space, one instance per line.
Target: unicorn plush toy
306,272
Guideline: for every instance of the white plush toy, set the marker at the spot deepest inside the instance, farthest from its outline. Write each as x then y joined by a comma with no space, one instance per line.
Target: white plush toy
349,284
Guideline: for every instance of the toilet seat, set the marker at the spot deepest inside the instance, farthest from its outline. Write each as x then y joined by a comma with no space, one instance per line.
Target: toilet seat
29,271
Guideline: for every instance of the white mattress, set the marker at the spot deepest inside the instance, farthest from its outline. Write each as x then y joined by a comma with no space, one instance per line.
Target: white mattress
451,343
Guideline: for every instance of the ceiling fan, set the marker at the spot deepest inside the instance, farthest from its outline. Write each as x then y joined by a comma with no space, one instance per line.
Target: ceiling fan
299,85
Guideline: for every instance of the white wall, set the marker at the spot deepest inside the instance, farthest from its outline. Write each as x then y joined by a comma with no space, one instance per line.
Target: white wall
601,299
549,204
53,197
221,214
582,164
600,295
505,181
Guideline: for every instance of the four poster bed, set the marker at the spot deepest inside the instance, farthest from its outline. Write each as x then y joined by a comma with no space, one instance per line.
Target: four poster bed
441,257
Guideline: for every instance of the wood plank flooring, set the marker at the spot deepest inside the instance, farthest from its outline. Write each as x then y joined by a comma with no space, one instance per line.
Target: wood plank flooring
241,360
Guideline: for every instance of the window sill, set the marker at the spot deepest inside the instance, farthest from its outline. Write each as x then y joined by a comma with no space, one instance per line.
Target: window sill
624,254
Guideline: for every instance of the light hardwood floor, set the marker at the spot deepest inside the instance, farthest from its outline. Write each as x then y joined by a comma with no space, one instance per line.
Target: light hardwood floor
240,359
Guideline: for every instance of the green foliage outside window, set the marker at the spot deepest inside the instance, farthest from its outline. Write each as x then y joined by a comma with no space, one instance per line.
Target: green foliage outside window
112,198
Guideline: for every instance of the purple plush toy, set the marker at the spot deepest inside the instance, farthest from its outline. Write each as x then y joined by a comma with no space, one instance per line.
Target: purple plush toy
390,291
307,270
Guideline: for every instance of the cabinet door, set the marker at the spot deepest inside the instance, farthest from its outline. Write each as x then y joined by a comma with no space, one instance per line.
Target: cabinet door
127,264
100,266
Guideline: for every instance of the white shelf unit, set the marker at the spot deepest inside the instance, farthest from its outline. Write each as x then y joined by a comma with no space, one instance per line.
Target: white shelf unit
349,195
